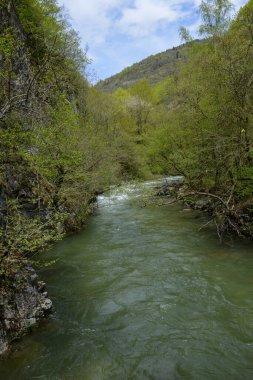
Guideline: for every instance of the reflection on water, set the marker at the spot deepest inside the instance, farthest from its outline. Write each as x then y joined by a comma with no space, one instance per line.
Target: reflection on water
141,294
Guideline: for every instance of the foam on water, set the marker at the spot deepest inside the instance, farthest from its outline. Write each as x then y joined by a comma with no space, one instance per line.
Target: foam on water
121,194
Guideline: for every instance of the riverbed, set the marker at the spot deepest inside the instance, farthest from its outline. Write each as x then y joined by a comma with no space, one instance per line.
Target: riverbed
142,293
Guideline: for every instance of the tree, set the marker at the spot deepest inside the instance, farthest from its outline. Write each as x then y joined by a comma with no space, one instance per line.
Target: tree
215,17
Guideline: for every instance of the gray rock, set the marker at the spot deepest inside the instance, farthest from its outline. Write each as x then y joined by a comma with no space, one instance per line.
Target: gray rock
41,286
24,305
30,322
47,305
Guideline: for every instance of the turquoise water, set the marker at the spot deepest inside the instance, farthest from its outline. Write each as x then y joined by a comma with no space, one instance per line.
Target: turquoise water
142,294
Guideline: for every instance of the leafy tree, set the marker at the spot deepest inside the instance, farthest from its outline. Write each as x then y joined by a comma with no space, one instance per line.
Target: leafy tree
215,17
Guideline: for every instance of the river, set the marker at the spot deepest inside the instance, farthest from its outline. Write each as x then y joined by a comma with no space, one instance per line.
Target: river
143,294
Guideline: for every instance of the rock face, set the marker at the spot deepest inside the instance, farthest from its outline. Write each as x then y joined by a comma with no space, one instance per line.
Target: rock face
23,302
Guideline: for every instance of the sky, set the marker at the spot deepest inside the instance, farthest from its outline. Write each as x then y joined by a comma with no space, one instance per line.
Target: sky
119,33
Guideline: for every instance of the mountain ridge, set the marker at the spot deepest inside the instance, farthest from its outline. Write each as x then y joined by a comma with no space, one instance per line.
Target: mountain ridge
154,68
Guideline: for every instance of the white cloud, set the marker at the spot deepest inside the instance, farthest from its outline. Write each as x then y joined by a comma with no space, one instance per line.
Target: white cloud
92,18
136,18
147,15
121,32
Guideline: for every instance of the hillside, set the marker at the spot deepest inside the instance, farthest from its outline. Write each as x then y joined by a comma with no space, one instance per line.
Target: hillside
155,68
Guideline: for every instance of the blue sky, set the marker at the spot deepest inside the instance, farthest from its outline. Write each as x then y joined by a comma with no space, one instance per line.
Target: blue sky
119,33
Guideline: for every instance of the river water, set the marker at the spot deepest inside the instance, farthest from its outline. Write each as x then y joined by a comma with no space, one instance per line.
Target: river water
143,294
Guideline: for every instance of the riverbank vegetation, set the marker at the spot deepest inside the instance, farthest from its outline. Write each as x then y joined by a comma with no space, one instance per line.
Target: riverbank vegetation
63,141
198,123
59,144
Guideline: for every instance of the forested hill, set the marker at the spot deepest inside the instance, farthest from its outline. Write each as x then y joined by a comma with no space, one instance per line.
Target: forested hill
154,68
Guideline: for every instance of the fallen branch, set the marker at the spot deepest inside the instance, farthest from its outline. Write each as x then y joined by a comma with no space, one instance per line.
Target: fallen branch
206,224
210,195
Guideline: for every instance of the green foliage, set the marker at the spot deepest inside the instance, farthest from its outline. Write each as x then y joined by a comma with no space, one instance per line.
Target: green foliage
205,131
244,180
23,235
184,34
61,141
7,43
215,17
198,123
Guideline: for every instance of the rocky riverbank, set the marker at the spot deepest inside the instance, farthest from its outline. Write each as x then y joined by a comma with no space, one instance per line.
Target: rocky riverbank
23,301
228,216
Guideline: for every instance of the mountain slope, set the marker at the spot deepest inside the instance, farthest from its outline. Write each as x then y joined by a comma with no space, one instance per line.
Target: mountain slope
155,68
